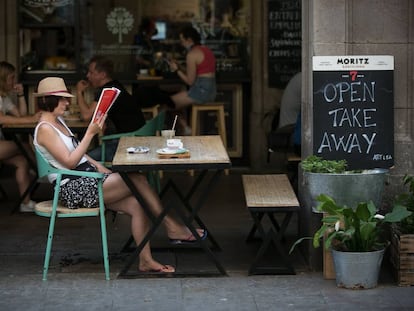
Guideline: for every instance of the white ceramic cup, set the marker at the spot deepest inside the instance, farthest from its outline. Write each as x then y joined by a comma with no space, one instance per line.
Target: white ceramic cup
168,133
174,143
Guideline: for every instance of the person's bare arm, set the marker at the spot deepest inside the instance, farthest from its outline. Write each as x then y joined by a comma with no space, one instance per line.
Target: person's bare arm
189,75
21,100
50,139
191,66
101,168
14,117
22,107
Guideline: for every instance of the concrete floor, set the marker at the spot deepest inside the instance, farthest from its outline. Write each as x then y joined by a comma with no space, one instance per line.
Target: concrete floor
76,278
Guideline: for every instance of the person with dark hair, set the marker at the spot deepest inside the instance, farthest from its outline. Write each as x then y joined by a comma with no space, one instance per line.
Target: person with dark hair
199,74
144,57
13,110
124,116
56,142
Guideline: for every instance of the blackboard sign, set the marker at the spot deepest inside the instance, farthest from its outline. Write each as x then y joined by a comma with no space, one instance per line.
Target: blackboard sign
353,110
284,41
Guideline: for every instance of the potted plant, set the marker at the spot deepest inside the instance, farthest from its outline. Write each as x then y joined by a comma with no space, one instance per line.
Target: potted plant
347,187
356,237
402,237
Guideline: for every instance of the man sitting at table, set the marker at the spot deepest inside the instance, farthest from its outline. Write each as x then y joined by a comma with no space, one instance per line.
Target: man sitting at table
124,116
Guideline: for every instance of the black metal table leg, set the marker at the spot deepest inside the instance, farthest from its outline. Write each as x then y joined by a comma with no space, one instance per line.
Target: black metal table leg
193,210
182,213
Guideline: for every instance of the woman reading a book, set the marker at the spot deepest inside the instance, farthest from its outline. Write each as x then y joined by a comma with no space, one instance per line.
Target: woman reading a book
57,143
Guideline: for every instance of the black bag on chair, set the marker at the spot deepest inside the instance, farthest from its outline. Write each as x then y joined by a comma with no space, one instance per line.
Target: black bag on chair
85,166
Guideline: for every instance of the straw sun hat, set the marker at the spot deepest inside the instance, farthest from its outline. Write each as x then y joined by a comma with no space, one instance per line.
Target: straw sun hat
52,86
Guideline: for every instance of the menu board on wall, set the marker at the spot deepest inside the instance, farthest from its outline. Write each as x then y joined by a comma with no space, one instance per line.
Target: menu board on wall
353,105
284,41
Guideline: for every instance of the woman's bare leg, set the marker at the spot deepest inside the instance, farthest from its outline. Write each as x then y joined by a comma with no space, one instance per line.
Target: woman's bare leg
139,227
115,189
174,229
8,149
118,198
9,154
182,101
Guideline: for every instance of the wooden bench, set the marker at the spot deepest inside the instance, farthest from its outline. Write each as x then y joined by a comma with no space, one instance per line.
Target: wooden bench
270,195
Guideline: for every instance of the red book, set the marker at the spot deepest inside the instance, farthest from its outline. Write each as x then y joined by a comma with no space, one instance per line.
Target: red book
105,102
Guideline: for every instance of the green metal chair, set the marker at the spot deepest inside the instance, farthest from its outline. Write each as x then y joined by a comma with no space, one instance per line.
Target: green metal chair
53,209
150,128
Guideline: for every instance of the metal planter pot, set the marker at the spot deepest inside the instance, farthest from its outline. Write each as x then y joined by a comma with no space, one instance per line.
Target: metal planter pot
357,270
348,188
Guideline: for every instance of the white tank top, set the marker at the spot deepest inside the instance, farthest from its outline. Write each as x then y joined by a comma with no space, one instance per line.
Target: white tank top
67,140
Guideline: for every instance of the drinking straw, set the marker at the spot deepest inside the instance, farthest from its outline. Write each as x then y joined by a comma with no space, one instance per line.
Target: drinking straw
175,120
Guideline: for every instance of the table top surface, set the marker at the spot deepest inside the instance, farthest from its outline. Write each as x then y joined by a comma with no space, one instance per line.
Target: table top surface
205,152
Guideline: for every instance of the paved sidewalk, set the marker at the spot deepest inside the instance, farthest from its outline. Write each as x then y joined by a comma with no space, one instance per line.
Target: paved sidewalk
86,291
76,277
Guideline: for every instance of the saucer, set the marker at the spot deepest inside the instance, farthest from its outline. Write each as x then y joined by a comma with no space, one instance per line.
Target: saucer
138,149
171,151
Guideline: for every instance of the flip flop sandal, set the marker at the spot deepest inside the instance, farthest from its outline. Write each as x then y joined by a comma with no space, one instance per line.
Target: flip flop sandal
188,241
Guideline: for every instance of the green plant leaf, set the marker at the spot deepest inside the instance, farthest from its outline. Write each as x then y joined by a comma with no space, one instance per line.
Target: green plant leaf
315,164
368,231
330,219
319,234
372,208
363,212
297,242
330,238
397,214
328,205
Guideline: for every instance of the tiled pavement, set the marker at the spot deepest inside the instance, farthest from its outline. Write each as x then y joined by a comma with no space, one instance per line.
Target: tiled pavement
76,278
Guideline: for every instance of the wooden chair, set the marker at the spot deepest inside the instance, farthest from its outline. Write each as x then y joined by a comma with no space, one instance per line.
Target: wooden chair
218,109
53,209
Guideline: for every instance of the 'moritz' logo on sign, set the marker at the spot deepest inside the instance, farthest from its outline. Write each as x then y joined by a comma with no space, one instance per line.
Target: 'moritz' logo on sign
353,61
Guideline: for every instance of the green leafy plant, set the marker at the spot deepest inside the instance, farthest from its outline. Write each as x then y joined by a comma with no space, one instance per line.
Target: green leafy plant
353,230
315,164
406,226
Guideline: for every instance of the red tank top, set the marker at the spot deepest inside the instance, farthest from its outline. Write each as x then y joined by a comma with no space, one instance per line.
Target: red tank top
209,63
